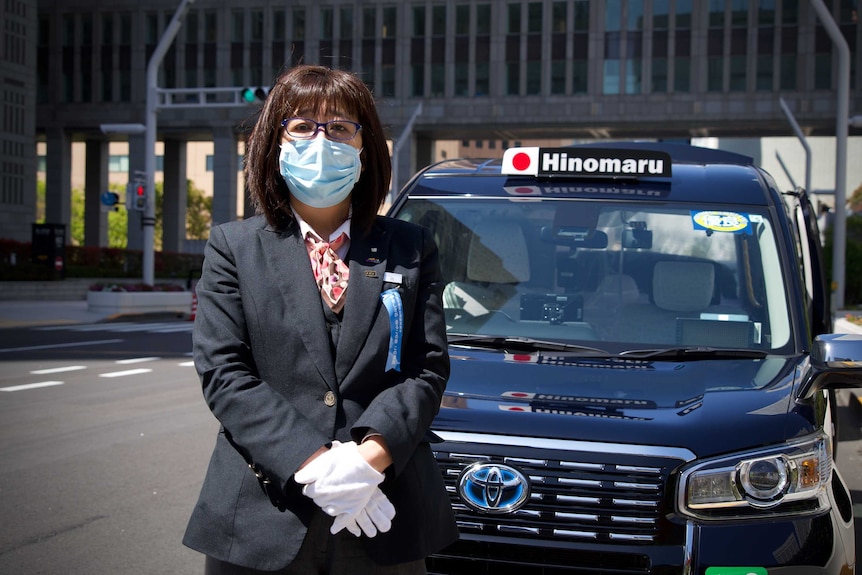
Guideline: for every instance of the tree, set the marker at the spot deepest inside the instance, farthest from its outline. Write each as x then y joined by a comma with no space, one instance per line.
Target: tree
76,231
856,200
198,213
118,219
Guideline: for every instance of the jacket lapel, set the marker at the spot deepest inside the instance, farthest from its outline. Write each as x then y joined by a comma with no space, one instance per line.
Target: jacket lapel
287,259
367,260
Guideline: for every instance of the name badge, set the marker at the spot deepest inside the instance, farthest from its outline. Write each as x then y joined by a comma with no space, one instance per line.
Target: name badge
392,302
392,277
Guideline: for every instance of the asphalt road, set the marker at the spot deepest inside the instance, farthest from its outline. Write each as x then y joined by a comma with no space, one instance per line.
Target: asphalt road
105,438
98,474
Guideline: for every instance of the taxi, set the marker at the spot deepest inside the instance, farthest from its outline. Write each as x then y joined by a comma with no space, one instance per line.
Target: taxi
643,369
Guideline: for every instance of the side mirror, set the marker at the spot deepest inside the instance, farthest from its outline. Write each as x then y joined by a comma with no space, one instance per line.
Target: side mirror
835,363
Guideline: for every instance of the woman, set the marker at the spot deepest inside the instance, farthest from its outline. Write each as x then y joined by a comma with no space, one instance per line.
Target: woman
320,343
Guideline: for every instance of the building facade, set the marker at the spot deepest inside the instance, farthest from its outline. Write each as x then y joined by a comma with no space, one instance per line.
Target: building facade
18,123
457,70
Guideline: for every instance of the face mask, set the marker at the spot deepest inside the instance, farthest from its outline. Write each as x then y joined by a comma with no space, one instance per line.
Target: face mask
319,172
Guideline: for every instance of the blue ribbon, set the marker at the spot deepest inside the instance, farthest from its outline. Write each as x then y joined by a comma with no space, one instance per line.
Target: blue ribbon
392,300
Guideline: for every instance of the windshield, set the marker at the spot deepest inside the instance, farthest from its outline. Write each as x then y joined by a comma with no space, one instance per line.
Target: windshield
644,276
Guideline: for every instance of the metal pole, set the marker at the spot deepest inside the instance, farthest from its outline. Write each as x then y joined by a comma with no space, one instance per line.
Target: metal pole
802,140
396,149
842,115
149,216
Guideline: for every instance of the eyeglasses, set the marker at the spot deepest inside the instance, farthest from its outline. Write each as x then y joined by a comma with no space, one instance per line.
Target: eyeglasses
304,128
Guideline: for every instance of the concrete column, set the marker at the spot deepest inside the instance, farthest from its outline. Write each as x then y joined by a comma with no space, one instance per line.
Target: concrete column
58,180
416,152
175,197
137,151
95,182
423,155
225,167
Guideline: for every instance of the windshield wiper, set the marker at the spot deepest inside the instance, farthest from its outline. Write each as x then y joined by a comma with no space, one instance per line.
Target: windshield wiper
522,344
694,353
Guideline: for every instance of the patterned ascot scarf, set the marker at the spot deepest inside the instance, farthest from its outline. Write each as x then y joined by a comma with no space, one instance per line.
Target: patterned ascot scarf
330,271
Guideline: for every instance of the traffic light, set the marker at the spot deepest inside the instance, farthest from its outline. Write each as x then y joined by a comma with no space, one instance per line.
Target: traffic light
136,196
253,94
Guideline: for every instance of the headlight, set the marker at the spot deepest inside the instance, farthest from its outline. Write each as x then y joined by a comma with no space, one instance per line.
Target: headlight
778,480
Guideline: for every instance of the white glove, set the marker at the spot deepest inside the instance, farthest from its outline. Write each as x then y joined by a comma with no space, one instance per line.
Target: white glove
340,481
375,517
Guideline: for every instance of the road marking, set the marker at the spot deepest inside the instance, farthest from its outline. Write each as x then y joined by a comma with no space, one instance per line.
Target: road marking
31,386
84,327
126,372
137,360
125,327
58,369
55,346
186,364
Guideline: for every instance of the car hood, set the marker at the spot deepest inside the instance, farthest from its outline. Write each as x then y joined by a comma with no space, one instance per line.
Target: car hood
706,406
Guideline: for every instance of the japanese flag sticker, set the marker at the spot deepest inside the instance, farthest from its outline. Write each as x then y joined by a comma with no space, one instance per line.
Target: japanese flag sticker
521,161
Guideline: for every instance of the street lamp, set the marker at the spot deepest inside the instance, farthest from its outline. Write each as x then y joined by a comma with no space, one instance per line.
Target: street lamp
149,217
842,112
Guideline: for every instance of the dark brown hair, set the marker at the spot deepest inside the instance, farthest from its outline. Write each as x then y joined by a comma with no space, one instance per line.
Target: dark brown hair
314,89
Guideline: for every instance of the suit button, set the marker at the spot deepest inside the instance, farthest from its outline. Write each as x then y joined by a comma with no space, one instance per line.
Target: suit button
329,399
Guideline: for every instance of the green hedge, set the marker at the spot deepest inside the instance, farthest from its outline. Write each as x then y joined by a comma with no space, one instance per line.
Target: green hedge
93,262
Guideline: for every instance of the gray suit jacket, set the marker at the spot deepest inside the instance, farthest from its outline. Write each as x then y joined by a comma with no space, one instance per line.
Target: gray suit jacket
262,350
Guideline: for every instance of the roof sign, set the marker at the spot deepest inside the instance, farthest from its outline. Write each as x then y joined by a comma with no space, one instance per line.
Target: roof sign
586,162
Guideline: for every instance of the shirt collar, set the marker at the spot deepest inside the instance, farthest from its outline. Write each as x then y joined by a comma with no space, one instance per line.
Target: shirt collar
305,228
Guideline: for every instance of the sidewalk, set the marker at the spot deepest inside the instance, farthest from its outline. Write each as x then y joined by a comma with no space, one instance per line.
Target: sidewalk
42,313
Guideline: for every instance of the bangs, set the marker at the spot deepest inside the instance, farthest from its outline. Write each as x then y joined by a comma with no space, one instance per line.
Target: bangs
320,94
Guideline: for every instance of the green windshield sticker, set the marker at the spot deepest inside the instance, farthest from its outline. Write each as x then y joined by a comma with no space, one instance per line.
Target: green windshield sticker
736,571
727,222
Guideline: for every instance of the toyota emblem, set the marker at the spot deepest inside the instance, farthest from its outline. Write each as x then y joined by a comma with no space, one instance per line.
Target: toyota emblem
493,488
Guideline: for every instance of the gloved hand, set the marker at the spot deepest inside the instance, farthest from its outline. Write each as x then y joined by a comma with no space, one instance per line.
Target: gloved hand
340,481
375,517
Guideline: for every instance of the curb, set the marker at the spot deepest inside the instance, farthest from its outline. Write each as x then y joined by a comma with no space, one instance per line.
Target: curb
147,317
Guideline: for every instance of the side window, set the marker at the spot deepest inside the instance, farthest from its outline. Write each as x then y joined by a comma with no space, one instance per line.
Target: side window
818,302
804,251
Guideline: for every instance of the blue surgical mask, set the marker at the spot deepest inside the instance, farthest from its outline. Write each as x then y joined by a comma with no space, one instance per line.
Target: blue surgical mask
319,172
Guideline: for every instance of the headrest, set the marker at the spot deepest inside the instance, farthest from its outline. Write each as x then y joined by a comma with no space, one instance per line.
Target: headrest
498,253
683,286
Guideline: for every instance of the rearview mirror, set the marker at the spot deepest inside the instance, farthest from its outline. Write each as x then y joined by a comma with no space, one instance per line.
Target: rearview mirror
575,236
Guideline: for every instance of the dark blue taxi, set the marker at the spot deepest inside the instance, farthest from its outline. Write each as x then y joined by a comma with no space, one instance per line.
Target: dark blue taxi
643,372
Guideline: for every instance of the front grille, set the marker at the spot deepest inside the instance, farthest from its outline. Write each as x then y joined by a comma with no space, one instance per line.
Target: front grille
590,497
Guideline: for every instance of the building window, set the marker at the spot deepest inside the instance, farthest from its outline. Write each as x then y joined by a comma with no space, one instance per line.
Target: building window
417,53
611,77
737,73
513,50
151,29
326,23
438,80
240,159
682,47
237,26
534,48
279,30
764,72
483,50
118,164
438,51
